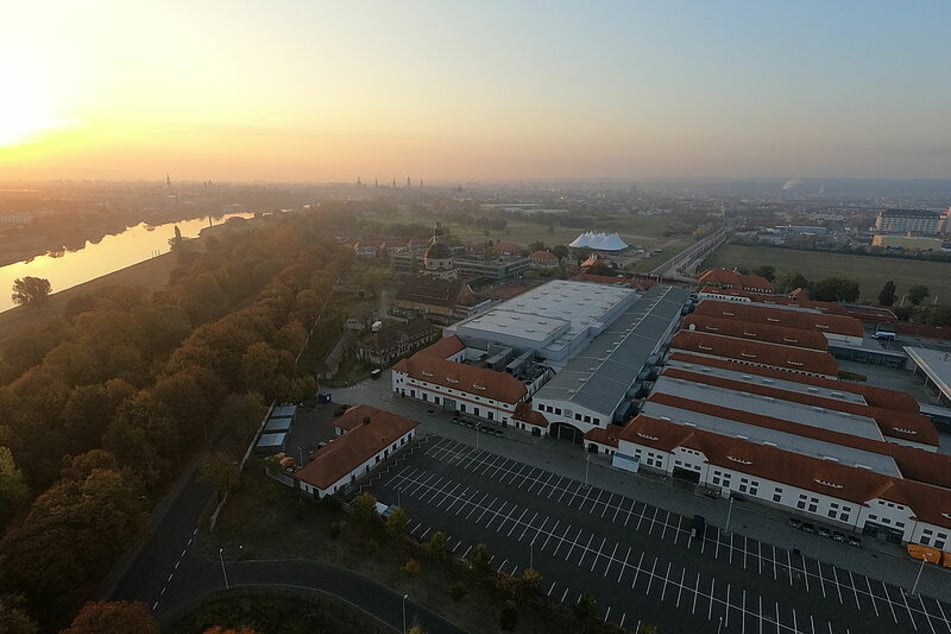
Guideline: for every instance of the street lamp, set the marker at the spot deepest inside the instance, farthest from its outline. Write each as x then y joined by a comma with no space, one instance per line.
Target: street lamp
921,569
476,431
405,596
300,454
531,555
224,572
587,465
720,625
729,513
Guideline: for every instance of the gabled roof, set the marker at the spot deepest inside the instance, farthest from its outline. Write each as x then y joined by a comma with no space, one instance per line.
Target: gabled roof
930,503
543,257
432,291
803,320
525,413
465,378
874,396
768,333
444,348
790,359
345,453
603,435
903,425
731,279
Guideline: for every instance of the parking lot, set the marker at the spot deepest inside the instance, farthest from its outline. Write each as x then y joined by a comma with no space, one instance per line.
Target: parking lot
639,561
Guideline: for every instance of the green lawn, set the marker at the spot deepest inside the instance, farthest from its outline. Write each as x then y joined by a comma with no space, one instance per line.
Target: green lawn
870,272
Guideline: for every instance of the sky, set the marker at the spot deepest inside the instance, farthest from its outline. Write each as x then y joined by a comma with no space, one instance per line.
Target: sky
324,91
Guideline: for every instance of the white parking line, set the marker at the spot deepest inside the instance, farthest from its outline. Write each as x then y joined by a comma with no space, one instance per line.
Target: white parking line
908,607
891,604
550,533
677,530
611,560
872,595
680,587
663,591
583,552
696,593
628,519
531,524
597,556
835,576
855,591
927,616
624,565
650,579
516,523
637,571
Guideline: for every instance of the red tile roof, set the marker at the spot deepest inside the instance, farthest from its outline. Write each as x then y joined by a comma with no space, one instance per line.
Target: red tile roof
757,332
344,454
466,378
787,358
831,478
543,257
732,279
603,436
444,348
874,396
836,324
525,413
903,425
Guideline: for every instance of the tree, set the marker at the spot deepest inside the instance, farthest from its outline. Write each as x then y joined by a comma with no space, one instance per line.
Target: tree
917,294
364,508
479,560
437,545
14,618
221,471
457,591
30,290
585,609
396,522
14,492
221,630
788,281
886,297
530,581
144,436
835,289
113,617
766,271
411,568
560,251
508,617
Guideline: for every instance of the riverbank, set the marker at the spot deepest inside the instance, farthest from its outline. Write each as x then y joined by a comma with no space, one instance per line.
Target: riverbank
151,275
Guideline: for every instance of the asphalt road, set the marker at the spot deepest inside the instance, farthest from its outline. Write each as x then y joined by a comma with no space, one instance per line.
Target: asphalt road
168,573
638,560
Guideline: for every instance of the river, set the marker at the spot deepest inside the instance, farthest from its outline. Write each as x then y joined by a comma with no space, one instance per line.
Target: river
112,253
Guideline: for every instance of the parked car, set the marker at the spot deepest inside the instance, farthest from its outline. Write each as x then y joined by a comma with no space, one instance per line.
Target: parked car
497,432
839,537
698,525
824,532
809,527
736,495
711,493
795,522
431,412
855,541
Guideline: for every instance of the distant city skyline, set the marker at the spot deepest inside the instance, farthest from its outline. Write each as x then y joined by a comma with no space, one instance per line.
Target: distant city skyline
305,91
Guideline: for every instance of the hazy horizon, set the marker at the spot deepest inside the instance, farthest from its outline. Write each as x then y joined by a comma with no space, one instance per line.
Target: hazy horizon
487,92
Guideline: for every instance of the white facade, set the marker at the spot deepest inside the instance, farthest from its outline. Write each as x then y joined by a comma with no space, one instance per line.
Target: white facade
478,405
360,470
563,411
823,507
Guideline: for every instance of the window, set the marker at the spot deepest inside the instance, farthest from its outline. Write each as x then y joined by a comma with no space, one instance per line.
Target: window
742,487
831,513
939,544
834,505
844,517
578,417
587,418
558,411
801,504
925,540
777,497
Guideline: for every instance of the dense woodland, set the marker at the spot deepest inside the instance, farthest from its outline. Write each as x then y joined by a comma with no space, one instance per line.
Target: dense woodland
102,409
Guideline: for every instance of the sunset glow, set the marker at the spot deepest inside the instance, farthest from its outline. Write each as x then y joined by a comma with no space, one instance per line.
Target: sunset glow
310,91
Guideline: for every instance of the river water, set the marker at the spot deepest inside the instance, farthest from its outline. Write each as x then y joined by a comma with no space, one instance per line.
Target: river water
112,253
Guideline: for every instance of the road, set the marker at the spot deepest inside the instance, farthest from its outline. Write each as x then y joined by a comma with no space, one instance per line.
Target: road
169,573
638,560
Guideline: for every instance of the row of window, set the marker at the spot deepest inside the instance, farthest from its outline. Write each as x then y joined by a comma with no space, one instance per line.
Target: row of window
939,540
592,420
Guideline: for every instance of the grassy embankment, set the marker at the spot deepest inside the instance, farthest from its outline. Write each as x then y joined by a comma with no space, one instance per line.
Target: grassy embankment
870,272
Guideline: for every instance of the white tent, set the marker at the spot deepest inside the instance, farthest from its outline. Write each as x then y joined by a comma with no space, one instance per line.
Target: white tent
599,241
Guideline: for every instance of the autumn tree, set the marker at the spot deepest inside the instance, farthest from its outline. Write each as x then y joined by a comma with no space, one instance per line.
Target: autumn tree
436,547
14,617
411,568
396,522
364,508
144,436
113,617
30,290
14,492
221,471
479,560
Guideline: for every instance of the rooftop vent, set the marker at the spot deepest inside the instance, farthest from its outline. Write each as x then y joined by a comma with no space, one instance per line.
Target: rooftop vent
739,460
827,483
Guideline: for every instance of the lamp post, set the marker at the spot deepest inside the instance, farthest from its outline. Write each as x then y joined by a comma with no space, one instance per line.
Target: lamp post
224,573
300,455
729,513
399,497
587,466
921,569
475,430
405,596
531,554
720,625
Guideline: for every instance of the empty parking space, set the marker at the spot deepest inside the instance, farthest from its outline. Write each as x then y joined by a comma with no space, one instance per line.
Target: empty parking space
623,545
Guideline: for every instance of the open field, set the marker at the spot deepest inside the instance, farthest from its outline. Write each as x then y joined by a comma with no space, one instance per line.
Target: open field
870,272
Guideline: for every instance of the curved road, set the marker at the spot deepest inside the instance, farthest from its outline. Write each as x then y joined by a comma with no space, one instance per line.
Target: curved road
168,573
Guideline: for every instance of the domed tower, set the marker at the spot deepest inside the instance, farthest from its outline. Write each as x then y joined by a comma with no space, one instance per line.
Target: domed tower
437,261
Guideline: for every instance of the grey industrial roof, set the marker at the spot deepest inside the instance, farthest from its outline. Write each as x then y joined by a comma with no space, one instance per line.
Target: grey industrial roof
779,384
283,411
530,327
841,422
278,424
936,364
271,440
600,376
806,446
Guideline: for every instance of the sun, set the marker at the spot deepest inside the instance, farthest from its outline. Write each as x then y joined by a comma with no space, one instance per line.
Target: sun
26,104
